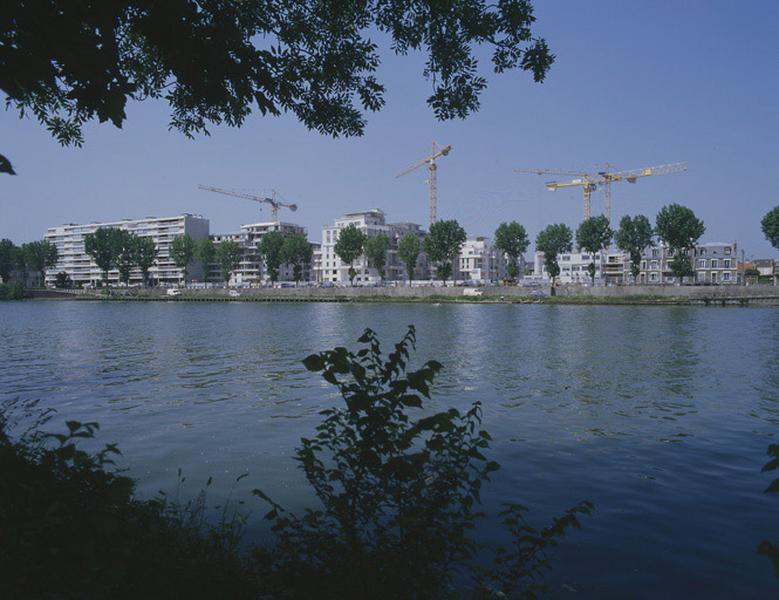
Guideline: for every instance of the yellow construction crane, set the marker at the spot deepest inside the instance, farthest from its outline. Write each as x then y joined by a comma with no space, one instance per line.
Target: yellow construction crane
274,203
589,182
432,184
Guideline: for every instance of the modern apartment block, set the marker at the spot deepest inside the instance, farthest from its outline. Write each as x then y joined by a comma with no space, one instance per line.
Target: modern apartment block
69,240
479,260
713,263
251,270
573,267
371,222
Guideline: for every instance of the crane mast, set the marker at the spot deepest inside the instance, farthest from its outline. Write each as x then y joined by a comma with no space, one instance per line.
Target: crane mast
432,178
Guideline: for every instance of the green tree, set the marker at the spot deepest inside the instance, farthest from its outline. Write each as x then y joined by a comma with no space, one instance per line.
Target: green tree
228,255
553,241
39,256
376,252
770,226
594,235
145,256
678,227
443,244
511,239
296,251
632,237
205,60
8,259
270,249
182,251
398,493
205,252
62,280
349,247
408,251
126,254
103,247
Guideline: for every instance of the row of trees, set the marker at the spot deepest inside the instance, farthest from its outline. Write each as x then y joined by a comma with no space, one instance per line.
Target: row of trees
442,245
37,256
120,249
676,225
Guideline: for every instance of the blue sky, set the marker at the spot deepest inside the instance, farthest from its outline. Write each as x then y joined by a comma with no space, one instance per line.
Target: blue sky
636,83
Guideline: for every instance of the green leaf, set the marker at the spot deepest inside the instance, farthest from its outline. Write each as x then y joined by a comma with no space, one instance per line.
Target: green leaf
770,465
5,166
314,362
774,487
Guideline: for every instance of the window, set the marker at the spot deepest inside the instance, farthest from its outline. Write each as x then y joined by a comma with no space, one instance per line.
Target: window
566,258
585,257
643,264
726,263
653,277
714,263
703,251
726,276
701,263
654,265
655,253
727,250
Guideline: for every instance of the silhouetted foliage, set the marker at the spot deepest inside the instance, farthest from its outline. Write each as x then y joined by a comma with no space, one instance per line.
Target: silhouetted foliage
678,227
9,260
145,255
103,247
399,496
765,547
213,61
228,255
62,280
39,256
71,528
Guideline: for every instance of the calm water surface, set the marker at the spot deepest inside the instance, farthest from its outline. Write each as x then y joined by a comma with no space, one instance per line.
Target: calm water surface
659,415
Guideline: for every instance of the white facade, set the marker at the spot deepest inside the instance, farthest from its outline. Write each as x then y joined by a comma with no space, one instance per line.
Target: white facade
573,266
69,240
479,260
371,223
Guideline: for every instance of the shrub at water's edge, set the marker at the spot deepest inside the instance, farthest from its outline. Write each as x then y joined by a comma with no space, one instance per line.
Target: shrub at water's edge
399,500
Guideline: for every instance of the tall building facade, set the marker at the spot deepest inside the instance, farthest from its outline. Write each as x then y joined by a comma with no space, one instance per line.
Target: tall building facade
371,223
481,261
73,260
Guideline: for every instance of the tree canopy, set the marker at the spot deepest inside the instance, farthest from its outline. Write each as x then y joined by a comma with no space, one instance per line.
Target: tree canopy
270,249
770,226
39,256
552,241
349,247
8,259
228,255
443,244
678,227
182,251
145,255
125,254
408,251
102,246
511,239
594,235
376,252
634,234
215,61
296,251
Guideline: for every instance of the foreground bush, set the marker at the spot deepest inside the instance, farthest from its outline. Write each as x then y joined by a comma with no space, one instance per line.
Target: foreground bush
399,497
399,501
11,291
70,528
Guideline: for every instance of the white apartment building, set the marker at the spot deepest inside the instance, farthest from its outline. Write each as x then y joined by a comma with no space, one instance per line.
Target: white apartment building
371,222
69,240
480,261
573,267
251,270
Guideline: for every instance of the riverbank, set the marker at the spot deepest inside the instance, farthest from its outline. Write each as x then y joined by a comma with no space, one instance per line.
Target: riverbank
628,295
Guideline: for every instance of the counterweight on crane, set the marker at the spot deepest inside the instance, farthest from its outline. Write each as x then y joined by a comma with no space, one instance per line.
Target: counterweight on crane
432,183
273,202
589,182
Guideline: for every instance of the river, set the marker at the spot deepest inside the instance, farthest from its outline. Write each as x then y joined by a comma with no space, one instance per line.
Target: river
661,416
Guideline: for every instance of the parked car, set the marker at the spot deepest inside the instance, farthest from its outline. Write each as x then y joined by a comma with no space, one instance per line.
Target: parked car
234,293
174,292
